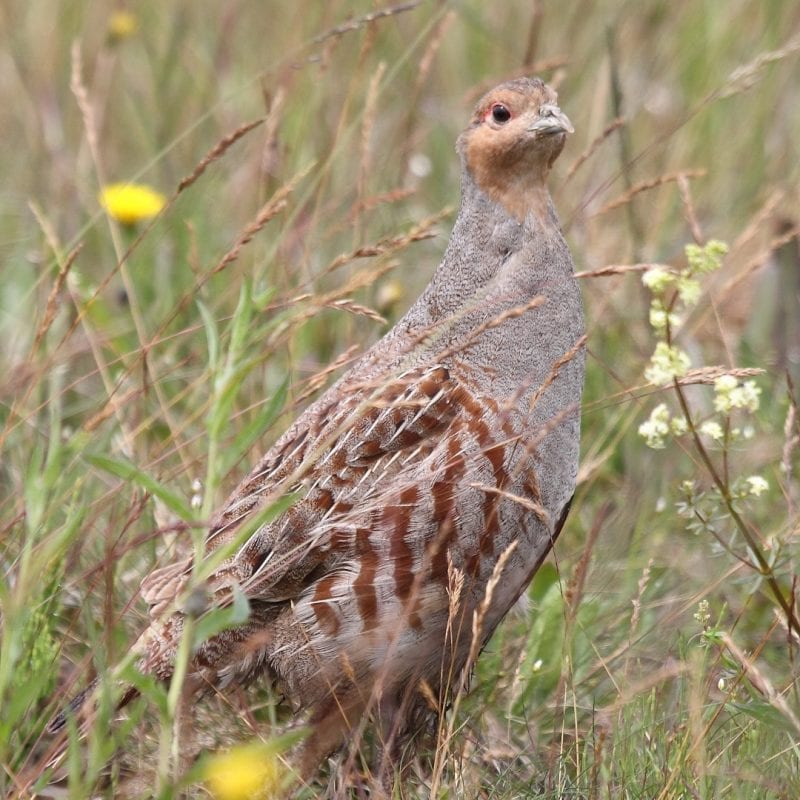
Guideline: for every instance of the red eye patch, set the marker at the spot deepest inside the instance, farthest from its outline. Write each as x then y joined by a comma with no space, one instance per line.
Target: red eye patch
499,113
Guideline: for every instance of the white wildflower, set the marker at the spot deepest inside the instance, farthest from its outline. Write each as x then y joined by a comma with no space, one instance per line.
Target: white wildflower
688,290
702,615
667,363
197,494
420,165
703,260
723,386
656,427
757,485
678,426
657,279
712,429
746,396
730,394
659,317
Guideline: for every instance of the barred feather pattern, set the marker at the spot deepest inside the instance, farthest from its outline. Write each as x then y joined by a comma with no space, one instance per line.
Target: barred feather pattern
454,437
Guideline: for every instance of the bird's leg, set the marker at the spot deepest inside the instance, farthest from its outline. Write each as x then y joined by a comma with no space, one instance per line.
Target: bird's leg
386,763
330,725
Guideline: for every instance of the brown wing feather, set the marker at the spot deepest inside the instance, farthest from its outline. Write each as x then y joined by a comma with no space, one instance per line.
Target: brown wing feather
324,457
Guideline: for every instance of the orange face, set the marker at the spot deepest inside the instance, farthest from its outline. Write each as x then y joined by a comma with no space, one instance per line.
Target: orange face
515,135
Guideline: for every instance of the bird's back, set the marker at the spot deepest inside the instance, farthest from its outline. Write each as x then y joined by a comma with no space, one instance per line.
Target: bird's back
444,461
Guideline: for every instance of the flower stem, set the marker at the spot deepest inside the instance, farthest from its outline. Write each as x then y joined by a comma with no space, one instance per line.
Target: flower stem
752,540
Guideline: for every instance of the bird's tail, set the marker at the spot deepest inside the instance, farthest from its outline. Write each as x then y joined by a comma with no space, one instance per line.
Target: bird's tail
82,705
153,653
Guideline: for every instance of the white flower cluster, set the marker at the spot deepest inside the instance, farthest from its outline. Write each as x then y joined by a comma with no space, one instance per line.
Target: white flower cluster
666,363
684,283
729,393
712,429
674,291
656,428
659,425
756,485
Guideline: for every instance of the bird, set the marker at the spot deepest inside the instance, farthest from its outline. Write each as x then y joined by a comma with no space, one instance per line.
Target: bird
419,493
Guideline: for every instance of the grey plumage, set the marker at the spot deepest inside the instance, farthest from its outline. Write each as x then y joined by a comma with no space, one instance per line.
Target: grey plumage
452,442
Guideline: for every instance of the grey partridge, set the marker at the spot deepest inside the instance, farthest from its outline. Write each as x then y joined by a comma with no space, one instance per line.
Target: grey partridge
449,449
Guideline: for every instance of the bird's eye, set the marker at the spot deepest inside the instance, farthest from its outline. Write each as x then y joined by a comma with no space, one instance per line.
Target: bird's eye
500,113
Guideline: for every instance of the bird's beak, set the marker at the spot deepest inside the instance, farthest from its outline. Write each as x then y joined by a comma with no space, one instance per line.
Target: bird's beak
552,120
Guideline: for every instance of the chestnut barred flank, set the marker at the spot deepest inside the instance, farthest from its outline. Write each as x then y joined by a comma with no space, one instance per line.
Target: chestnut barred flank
449,449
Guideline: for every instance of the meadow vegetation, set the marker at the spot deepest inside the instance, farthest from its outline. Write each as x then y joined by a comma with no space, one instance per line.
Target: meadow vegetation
303,158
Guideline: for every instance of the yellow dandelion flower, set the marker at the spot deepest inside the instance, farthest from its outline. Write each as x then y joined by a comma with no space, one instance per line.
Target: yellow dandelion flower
122,25
130,203
389,294
247,772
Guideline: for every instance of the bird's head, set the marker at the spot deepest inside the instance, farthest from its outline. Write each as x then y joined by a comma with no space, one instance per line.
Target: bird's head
515,135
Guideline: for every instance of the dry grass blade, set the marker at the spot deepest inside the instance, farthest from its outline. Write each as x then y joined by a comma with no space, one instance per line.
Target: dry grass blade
761,682
592,148
268,211
758,261
366,19
688,206
707,375
319,379
456,579
418,233
365,165
539,510
555,369
573,593
217,151
791,440
643,186
373,201
746,76
413,100
495,322
637,601
52,299
479,615
756,225
359,309
619,269
81,94
544,65
434,43
112,405
535,27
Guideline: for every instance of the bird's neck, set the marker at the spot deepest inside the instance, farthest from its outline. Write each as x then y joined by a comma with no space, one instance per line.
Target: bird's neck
487,242
520,188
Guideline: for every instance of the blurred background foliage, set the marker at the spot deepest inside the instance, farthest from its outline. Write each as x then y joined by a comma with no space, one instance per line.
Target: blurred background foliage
135,391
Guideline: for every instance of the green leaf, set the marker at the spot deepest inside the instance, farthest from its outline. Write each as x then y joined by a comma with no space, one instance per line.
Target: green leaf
240,324
544,652
147,685
765,714
125,469
262,421
212,335
545,578
222,404
221,619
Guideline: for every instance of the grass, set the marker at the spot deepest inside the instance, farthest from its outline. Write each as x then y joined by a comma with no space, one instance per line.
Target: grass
146,368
